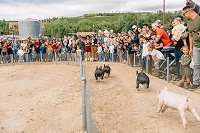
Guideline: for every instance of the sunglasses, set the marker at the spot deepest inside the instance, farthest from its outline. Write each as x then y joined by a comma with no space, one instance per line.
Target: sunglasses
185,12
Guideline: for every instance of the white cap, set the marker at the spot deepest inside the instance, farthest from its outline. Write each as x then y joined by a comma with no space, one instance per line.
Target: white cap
158,21
134,26
99,31
105,31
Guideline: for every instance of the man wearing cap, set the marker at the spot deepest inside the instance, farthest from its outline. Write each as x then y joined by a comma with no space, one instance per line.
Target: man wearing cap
135,39
194,38
160,25
161,34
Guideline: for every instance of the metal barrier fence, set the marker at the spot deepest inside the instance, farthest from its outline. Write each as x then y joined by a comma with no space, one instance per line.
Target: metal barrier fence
28,58
87,123
126,58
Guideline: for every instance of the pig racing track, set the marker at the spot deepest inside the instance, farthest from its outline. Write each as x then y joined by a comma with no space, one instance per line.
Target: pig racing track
46,97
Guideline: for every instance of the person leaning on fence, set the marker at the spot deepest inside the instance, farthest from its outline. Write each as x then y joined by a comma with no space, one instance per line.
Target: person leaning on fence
194,30
157,57
157,45
161,34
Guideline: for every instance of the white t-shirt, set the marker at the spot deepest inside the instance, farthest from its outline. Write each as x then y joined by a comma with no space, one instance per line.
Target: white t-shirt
23,45
99,49
111,48
20,52
145,51
159,55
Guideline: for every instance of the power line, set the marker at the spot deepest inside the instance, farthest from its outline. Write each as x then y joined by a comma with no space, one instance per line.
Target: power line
158,6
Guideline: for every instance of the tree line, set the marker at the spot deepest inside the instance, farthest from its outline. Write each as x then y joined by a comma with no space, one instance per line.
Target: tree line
118,22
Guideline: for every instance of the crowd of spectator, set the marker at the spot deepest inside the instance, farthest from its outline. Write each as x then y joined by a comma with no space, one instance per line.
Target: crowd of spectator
148,42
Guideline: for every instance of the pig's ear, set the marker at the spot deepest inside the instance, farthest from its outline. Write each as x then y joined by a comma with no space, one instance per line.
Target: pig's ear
165,88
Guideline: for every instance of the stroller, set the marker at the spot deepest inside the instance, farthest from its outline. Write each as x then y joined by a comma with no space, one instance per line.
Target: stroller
162,71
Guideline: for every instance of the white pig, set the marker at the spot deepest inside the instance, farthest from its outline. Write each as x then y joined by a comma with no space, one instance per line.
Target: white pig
178,102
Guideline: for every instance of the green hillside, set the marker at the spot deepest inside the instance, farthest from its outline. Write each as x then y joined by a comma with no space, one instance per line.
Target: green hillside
119,22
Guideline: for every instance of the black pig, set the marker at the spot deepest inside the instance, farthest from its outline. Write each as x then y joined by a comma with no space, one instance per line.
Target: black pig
142,78
107,70
99,73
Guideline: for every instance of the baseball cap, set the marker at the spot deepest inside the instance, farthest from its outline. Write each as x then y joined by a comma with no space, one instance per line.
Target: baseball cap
134,26
158,21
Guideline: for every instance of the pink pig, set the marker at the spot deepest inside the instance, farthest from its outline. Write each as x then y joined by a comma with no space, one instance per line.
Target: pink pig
178,102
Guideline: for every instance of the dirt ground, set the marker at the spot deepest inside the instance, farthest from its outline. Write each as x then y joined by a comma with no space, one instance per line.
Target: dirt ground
46,98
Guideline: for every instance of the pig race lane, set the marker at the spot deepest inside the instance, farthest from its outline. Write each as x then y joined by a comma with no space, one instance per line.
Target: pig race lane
118,107
46,98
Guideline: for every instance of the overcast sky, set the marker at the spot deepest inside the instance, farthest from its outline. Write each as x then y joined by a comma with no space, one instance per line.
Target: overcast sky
41,9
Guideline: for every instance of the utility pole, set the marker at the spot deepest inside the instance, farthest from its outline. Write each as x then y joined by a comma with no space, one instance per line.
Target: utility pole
163,12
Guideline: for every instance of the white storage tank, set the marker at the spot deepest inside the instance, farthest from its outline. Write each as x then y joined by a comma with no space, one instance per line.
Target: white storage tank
29,28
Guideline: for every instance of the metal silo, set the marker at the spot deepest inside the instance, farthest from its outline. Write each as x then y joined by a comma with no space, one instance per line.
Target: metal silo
29,28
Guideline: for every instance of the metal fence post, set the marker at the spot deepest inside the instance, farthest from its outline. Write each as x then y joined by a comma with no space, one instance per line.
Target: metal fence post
68,57
11,55
76,59
168,69
27,58
81,68
147,64
112,57
134,59
41,58
83,91
127,59
55,57
92,55
88,115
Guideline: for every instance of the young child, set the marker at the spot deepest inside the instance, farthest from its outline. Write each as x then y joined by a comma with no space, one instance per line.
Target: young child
178,30
157,57
33,53
99,52
4,55
185,70
78,51
20,53
145,52
107,53
139,48
111,49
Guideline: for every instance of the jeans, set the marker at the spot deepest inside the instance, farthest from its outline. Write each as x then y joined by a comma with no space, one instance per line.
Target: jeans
112,56
196,59
99,56
83,54
178,53
15,55
107,56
